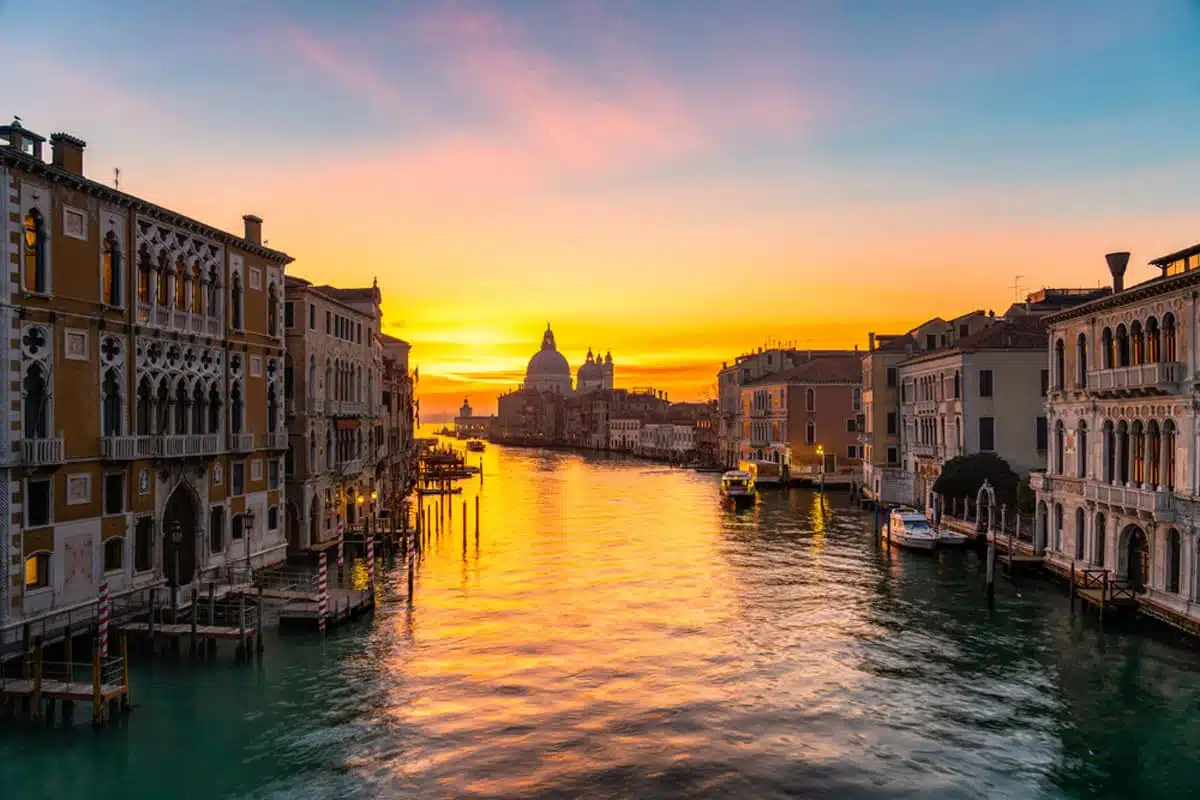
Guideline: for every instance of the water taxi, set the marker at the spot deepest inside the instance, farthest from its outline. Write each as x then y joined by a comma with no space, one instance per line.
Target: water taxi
908,527
476,446
738,487
949,538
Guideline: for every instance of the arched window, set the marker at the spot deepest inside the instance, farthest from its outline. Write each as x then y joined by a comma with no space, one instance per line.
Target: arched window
1058,527
1081,449
197,290
235,409
1080,533
1122,346
957,384
144,276
1137,437
1058,447
1153,454
36,277
810,433
235,301
312,452
36,411
1168,337
145,399
1174,553
162,409
181,408
1059,364
810,399
111,288
1107,349
289,382
272,311
1168,444
181,280
214,410
164,295
1123,452
1153,341
272,410
1081,361
1098,544
214,293
199,409
111,389
370,398
1110,452
1137,343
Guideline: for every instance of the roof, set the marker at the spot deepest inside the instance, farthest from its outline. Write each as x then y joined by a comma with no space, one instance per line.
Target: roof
386,339
1021,333
894,343
821,369
35,165
1163,261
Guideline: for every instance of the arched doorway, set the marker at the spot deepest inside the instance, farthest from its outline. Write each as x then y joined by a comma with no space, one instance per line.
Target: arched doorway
181,512
1137,557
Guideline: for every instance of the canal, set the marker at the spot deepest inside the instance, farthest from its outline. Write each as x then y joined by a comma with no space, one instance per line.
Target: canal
616,634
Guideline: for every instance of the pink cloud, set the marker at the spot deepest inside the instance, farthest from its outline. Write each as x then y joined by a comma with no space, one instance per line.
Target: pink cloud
350,73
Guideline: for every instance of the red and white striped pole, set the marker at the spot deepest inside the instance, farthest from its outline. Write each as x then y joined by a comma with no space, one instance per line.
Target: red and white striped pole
103,626
371,561
341,544
322,592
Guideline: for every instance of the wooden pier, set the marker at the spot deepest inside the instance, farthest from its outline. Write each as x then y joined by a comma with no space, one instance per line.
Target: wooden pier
344,604
41,683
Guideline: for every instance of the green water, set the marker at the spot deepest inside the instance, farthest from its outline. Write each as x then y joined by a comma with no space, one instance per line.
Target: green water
617,634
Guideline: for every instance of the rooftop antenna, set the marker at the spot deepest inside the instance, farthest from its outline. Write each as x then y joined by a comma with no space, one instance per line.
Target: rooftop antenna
116,177
1017,288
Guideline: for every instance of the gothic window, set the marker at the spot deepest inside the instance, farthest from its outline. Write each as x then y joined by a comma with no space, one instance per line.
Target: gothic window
199,409
112,270
1081,361
181,408
197,291
37,278
1168,337
162,409
1107,349
1138,342
235,409
235,300
112,403
1058,448
1081,449
181,280
1153,341
214,410
162,291
37,405
1122,347
144,399
1059,358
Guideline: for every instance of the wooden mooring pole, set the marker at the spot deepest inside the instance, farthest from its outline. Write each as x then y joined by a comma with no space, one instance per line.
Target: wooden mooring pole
1071,588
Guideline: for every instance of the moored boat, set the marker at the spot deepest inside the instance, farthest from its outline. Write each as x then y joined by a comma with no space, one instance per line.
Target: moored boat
908,527
738,487
476,446
949,538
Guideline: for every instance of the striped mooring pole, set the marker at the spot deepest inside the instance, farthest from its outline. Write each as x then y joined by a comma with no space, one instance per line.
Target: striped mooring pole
322,591
341,544
103,626
371,561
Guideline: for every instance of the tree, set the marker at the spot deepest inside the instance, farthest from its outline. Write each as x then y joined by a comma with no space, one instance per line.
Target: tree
962,477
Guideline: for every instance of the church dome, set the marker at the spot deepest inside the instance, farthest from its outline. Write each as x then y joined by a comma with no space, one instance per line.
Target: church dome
590,370
547,362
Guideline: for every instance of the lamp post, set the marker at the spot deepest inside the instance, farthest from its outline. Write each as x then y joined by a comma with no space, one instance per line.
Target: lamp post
248,529
176,533
821,468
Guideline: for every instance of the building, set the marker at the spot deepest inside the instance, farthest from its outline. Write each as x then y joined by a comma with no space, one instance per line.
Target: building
468,425
979,394
399,465
595,374
146,437
804,419
625,433
1120,487
336,435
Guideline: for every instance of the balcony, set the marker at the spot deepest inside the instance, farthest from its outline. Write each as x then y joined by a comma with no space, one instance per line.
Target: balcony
39,452
277,441
1163,377
351,467
1039,482
241,442
126,448
331,406
926,450
184,445
351,409
1156,503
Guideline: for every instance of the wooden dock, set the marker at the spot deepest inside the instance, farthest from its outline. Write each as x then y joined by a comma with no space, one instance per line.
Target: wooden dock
101,682
344,604
225,632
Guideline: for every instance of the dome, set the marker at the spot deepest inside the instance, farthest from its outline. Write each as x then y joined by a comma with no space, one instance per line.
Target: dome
548,362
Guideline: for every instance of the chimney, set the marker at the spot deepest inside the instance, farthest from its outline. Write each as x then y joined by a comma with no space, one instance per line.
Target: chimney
253,229
1117,262
871,340
67,153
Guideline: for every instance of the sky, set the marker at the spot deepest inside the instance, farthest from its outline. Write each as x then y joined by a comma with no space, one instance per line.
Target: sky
674,181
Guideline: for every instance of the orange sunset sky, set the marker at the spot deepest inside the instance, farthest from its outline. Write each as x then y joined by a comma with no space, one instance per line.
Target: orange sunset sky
674,182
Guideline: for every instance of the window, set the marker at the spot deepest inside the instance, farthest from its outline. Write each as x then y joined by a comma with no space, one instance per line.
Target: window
37,406
1060,358
235,410
312,316
143,544
810,399
1081,356
289,315
891,423
114,554
255,278
987,434
851,451
964,330
850,426
273,473
197,291
329,322
810,433
930,341
111,404
37,502
114,493
891,377
1059,438
37,571
893,456
238,484
985,383
216,529
273,312
238,527
235,299
111,289
273,518
957,384
1173,557
1043,435
36,273
1079,534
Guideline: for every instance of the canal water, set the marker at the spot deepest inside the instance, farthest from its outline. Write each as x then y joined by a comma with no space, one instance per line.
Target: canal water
615,633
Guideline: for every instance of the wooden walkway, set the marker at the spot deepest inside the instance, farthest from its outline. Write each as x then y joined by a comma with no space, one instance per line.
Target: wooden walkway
225,632
344,604
61,690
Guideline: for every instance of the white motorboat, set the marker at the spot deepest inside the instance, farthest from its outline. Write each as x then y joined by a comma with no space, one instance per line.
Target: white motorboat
949,538
738,487
908,527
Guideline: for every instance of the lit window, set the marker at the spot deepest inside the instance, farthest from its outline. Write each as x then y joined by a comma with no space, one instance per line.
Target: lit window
36,279
37,571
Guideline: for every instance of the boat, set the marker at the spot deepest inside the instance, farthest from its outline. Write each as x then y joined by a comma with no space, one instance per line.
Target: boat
738,487
949,538
476,446
908,527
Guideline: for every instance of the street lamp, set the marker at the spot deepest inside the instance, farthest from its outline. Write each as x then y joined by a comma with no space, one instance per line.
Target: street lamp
176,533
247,529
821,467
